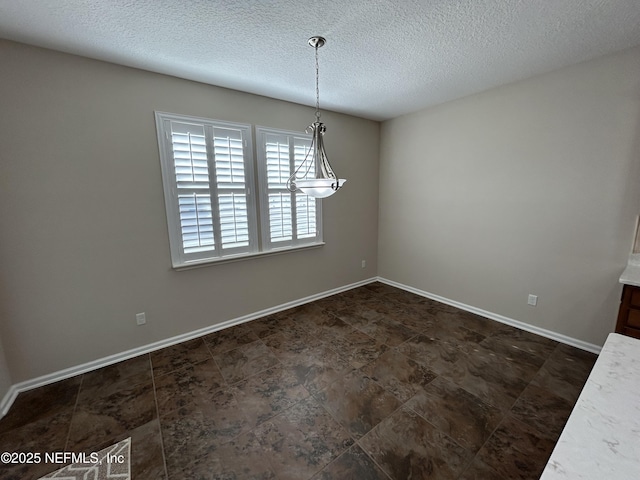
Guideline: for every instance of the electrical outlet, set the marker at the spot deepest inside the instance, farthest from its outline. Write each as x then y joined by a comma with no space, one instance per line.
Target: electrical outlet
364,263
532,300
141,318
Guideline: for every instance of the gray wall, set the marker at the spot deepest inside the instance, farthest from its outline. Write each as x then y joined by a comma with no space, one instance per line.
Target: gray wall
84,243
528,188
5,375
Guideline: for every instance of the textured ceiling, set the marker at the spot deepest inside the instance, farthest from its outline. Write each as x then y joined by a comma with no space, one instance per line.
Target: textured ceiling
382,59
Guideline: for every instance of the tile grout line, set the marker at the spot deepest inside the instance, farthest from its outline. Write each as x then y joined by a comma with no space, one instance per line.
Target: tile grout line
330,414
252,429
359,370
355,443
155,399
215,362
507,412
473,454
73,413
225,387
355,440
402,406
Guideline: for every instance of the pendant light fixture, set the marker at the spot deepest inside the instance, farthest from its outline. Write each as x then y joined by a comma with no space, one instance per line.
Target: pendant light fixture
317,178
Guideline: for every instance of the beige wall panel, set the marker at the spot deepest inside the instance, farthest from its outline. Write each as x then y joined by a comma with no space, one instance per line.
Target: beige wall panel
533,187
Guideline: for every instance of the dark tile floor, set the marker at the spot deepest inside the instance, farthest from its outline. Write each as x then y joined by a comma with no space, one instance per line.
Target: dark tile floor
372,383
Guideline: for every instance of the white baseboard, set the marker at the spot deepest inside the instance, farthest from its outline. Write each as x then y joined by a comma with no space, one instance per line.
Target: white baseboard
14,390
8,400
574,342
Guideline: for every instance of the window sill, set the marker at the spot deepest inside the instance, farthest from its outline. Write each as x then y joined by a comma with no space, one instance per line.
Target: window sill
208,262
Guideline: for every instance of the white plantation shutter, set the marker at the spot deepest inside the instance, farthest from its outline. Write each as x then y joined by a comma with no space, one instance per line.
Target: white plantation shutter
228,152
192,182
305,205
196,223
276,149
306,216
288,219
207,171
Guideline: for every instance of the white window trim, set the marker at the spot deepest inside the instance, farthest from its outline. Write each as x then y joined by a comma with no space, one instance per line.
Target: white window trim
245,256
257,204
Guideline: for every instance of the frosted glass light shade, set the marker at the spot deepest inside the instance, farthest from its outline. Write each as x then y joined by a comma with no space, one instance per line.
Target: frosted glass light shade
319,187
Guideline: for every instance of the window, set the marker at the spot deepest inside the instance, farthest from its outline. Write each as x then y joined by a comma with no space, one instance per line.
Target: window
214,211
293,216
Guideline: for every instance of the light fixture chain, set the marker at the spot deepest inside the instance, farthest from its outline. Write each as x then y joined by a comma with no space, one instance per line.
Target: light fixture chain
317,86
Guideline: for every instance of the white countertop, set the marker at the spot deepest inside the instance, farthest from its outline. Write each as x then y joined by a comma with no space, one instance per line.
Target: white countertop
601,439
631,274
